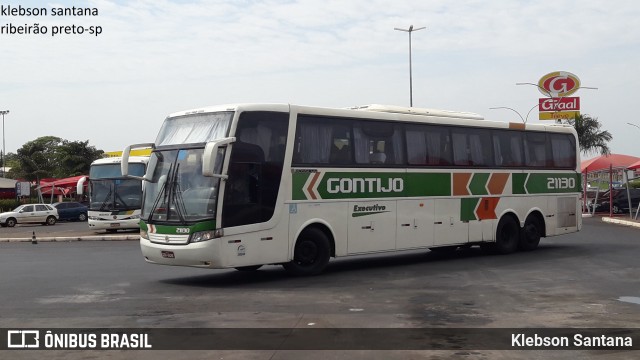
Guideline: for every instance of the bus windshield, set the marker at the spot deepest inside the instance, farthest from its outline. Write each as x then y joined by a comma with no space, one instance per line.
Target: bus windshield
112,171
120,194
198,128
178,192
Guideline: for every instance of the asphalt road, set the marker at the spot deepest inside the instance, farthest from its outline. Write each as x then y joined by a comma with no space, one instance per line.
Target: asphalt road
577,280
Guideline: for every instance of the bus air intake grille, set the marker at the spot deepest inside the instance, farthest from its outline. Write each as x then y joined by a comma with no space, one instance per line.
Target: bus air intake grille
169,239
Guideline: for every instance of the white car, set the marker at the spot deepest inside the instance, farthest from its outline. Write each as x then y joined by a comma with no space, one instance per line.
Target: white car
30,213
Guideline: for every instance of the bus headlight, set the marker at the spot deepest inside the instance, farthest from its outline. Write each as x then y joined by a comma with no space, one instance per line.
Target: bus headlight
202,236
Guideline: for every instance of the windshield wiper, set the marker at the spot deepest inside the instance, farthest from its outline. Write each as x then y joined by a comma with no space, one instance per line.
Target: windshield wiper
161,193
176,195
104,202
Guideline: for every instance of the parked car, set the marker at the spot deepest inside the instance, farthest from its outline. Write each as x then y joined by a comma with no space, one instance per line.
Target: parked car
71,210
30,213
620,201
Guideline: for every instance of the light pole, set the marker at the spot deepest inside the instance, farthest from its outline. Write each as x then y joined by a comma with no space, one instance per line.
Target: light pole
524,120
4,153
410,30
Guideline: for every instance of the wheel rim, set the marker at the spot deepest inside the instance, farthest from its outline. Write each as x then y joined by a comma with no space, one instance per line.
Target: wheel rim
508,233
307,253
531,233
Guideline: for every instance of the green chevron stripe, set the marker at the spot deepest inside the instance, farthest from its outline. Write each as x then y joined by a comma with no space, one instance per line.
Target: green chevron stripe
478,184
468,209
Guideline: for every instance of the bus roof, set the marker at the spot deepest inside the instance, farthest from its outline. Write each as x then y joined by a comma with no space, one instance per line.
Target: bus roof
419,111
386,112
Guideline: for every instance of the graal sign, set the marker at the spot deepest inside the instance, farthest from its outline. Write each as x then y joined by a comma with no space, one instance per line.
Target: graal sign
557,86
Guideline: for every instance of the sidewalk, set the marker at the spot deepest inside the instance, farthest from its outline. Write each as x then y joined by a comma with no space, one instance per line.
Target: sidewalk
620,220
97,237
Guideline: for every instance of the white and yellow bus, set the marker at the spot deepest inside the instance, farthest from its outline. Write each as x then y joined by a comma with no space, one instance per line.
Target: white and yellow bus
115,200
241,186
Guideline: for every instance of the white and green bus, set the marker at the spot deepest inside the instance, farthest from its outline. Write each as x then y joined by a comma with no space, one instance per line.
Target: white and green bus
115,200
241,186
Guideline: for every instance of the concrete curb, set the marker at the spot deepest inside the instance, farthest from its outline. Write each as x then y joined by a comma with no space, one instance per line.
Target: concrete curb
76,238
621,221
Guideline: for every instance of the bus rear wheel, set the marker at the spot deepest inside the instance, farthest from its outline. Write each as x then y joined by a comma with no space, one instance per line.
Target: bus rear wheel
531,234
507,235
311,254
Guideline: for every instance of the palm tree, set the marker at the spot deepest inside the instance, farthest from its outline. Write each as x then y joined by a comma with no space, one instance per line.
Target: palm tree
591,138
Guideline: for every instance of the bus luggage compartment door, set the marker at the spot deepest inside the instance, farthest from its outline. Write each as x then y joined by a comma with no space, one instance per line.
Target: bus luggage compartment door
372,226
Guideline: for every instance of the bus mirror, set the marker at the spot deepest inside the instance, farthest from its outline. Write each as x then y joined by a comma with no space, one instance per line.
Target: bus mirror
151,168
124,164
210,157
80,185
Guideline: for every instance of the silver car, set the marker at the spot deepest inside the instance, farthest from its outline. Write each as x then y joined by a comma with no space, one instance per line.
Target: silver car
31,213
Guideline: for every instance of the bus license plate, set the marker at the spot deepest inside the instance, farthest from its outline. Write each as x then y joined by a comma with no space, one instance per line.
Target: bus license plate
168,254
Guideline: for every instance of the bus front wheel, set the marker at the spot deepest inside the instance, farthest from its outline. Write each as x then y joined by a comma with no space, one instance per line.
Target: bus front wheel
311,254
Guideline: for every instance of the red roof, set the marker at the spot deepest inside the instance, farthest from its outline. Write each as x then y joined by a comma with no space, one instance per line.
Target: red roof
634,166
60,186
617,161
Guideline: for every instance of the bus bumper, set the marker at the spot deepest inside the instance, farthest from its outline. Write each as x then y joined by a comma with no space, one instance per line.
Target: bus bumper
114,225
201,254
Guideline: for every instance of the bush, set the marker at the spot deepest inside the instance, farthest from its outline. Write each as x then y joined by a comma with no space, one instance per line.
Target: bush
8,204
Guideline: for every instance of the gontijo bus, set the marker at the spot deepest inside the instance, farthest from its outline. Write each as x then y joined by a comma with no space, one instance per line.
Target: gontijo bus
241,186
115,200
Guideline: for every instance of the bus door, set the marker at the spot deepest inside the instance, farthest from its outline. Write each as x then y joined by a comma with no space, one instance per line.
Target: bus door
255,169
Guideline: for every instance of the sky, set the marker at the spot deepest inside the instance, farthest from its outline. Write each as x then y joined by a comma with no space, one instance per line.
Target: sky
155,57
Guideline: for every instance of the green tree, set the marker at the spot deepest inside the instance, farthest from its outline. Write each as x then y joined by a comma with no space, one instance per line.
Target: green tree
591,137
75,157
36,159
51,156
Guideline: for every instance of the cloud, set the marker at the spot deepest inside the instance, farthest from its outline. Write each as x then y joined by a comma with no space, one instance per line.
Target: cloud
155,57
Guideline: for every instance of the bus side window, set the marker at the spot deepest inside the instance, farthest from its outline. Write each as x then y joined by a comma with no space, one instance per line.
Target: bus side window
535,149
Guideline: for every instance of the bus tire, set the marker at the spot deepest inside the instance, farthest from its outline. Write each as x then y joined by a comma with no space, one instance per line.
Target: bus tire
531,234
507,235
249,268
311,254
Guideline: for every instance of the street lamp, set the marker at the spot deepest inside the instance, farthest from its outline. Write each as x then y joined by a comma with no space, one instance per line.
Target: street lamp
410,30
4,153
633,125
524,120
